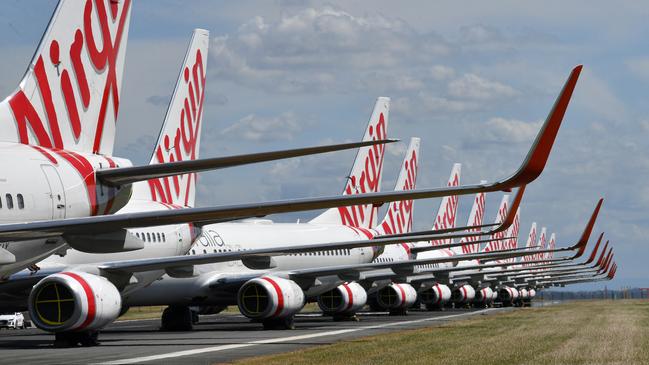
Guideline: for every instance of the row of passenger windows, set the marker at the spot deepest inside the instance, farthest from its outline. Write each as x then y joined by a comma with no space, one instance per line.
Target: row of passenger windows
9,200
342,252
384,259
151,236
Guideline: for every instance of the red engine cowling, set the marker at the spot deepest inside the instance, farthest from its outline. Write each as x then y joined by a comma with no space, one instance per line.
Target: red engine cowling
484,295
346,298
74,301
436,295
396,295
532,293
463,294
270,297
507,294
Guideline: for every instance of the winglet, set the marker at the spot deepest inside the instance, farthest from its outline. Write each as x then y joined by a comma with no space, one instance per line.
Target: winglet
580,246
602,255
538,155
511,213
594,253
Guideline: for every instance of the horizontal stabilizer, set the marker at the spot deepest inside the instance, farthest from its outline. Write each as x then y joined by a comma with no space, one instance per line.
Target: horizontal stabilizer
129,175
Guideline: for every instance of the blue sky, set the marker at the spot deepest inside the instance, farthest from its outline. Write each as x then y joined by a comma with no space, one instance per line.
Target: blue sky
473,79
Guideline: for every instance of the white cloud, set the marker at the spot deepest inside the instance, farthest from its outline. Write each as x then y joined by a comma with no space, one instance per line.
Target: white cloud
639,67
472,86
264,129
441,72
512,130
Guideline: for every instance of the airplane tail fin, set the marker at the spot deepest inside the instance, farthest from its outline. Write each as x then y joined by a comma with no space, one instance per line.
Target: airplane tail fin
69,97
476,217
500,217
447,211
365,175
531,239
180,136
552,244
512,232
398,218
541,243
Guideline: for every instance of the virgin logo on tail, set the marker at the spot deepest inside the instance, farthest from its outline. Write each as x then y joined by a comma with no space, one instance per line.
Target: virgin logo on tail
399,216
531,239
181,143
447,219
368,180
478,216
66,95
502,212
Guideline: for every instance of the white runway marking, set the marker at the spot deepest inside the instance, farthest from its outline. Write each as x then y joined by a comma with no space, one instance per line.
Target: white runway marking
170,355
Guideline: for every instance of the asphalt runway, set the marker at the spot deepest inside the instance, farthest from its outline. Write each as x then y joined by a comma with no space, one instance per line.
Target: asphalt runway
217,338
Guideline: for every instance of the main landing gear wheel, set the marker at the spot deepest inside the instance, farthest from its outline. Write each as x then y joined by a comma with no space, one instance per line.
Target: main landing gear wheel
286,323
72,339
178,318
435,307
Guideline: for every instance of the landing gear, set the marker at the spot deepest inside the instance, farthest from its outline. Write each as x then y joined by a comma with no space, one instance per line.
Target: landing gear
285,323
435,307
347,317
72,339
178,318
399,312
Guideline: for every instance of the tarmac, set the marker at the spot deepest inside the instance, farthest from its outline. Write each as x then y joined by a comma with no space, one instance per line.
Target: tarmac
215,339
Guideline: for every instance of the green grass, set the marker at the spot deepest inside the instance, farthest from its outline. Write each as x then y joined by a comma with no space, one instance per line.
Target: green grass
587,332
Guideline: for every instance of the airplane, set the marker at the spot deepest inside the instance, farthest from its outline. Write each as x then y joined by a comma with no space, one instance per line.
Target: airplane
221,284
57,142
529,170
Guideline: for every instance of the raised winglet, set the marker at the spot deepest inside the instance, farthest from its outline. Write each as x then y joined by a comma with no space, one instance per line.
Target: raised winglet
538,155
594,253
580,246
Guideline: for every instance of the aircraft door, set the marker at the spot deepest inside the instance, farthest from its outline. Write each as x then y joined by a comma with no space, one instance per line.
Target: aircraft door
57,193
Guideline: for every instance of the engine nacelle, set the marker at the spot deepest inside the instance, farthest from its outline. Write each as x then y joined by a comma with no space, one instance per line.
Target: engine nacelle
463,294
494,295
508,294
524,294
270,297
74,301
437,294
532,293
346,298
396,295
484,295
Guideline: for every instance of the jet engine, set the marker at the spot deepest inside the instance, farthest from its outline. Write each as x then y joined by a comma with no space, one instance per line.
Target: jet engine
524,294
463,294
508,295
396,296
435,296
346,298
74,302
532,293
269,298
484,296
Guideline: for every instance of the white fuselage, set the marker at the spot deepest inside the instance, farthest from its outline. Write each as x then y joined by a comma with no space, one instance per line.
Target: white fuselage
227,237
159,241
39,184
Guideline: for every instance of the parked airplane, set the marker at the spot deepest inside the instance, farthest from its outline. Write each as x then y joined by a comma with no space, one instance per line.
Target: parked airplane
87,308
57,138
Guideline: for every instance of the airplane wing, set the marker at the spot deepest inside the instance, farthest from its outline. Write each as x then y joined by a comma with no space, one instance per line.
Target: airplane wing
530,169
128,175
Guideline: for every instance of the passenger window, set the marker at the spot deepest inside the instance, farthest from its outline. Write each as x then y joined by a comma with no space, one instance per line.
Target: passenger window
10,201
159,237
164,238
21,201
148,237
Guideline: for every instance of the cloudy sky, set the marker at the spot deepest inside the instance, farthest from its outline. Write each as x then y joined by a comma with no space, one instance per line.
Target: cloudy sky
473,79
